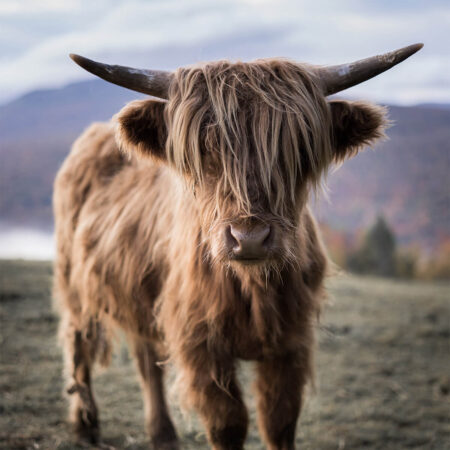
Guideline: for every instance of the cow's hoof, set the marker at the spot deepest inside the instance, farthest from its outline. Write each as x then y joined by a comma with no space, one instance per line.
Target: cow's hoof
163,434
167,445
86,427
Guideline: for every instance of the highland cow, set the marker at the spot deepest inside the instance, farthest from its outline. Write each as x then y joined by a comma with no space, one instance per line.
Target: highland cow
185,222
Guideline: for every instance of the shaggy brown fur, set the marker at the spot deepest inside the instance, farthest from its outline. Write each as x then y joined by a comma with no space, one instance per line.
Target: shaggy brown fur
142,242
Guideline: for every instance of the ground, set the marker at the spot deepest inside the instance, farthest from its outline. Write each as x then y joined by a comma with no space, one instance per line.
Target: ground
383,371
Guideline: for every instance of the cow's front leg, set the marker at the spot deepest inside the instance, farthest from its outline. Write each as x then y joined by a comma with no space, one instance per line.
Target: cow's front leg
280,384
215,394
160,427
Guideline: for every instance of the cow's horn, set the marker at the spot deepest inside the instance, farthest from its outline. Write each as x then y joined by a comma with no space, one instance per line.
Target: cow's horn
337,78
151,82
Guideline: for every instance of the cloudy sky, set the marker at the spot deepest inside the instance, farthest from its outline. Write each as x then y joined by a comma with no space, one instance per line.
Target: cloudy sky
37,35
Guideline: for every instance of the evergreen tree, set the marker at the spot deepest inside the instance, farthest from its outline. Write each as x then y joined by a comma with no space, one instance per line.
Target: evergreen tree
377,254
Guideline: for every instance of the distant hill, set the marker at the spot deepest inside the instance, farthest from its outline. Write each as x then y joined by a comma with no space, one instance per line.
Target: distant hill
406,178
436,105
36,132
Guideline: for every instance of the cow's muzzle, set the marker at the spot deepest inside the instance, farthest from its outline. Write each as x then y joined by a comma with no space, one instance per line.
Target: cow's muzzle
248,244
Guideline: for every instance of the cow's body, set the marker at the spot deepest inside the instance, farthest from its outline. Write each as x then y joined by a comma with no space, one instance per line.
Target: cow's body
120,222
198,240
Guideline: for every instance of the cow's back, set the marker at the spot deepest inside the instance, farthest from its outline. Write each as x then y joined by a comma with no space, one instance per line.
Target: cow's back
92,163
111,221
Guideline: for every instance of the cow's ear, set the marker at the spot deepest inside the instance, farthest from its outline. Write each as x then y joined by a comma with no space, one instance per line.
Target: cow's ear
141,128
355,125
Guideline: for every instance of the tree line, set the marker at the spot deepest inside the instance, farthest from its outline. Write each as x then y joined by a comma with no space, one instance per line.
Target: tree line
379,254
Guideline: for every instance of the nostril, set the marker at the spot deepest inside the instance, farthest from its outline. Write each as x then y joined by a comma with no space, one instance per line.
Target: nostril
262,234
238,236
250,242
231,237
266,237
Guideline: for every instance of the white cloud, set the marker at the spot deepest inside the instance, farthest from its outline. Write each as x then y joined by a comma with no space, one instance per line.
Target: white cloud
315,31
10,7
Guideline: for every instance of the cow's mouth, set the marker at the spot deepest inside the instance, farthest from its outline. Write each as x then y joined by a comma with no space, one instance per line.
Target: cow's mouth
248,261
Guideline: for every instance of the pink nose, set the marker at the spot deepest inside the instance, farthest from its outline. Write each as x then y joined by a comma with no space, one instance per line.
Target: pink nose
249,242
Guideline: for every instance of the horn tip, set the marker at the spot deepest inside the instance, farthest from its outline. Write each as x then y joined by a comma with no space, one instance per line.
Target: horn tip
417,47
76,58
86,64
408,51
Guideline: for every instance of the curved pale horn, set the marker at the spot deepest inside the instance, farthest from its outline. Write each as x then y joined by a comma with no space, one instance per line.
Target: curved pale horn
337,78
151,82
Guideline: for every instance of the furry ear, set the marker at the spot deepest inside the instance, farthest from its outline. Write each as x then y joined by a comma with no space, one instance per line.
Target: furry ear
141,128
354,125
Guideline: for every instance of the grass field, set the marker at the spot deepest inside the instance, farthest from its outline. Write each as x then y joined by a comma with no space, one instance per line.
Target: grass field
383,371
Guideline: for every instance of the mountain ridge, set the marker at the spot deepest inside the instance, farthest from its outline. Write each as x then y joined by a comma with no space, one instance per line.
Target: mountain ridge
405,178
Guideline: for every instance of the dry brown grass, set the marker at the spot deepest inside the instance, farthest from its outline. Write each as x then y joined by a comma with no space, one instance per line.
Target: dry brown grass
383,371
